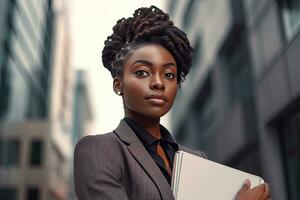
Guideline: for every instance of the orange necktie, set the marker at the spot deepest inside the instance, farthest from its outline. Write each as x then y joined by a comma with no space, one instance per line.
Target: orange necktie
163,156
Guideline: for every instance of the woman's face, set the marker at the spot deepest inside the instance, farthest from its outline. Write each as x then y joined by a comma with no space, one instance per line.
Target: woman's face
149,82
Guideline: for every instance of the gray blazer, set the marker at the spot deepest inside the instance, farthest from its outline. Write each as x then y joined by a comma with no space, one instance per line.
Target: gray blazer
117,166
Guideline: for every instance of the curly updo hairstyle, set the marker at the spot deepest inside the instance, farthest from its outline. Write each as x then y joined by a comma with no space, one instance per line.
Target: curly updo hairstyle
148,25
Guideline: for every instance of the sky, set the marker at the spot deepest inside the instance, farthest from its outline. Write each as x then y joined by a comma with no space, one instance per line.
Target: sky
91,21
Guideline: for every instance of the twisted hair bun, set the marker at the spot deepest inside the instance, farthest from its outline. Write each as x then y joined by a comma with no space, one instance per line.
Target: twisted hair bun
148,25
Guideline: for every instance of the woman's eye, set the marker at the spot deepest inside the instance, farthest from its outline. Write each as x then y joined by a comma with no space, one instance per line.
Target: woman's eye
141,73
170,75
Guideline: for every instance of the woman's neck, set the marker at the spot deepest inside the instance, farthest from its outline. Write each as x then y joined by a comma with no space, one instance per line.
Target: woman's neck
150,124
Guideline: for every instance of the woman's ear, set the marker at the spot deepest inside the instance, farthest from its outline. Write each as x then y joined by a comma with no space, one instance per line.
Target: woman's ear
117,86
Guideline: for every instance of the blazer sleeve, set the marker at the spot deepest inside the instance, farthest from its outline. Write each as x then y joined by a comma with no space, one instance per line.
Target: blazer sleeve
94,179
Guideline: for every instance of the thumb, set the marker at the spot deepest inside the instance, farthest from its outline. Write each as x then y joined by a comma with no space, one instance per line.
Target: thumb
246,185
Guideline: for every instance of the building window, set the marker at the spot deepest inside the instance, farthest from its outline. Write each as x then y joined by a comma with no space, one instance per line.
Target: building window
290,143
187,14
237,76
290,13
237,71
9,152
205,114
8,193
36,153
33,193
197,51
5,88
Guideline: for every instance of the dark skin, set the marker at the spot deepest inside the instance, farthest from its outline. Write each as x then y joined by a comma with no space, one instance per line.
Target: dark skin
148,85
150,70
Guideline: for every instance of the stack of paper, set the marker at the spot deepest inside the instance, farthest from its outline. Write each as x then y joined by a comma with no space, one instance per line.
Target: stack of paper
198,178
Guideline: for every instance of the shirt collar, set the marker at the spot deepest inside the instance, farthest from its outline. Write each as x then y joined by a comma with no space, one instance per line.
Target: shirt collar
147,138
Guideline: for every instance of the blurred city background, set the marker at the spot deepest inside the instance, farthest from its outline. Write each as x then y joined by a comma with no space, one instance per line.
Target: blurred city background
240,104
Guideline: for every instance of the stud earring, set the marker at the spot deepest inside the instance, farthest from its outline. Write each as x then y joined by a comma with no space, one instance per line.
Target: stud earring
119,93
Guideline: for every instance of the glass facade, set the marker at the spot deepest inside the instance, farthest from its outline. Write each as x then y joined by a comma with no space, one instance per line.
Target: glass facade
27,45
254,88
18,87
290,13
290,143
239,84
9,152
205,115
6,23
197,56
197,47
237,71
25,60
187,14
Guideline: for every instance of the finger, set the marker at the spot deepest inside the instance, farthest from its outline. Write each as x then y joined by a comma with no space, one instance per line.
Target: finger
246,185
266,193
258,191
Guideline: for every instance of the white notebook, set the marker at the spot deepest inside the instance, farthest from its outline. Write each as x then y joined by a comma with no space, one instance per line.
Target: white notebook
197,178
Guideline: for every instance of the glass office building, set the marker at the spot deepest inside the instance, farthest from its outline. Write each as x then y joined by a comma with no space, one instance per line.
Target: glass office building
35,144
25,59
240,103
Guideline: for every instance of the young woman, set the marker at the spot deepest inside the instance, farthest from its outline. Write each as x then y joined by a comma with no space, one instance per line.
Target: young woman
148,58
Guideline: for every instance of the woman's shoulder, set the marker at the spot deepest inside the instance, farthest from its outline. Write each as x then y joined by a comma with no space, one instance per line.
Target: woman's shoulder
98,141
103,146
99,153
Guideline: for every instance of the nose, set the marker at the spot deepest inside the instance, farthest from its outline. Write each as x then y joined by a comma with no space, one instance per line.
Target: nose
157,83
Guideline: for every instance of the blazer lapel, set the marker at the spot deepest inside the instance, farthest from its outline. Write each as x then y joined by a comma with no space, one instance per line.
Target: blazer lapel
137,149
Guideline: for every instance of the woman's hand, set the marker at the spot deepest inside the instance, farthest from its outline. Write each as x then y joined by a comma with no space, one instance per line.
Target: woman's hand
260,192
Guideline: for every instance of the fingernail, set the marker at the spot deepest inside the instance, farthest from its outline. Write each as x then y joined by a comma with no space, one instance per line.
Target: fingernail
266,187
247,182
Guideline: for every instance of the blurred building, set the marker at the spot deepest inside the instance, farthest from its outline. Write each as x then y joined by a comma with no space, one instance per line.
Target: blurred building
240,103
82,106
82,116
35,100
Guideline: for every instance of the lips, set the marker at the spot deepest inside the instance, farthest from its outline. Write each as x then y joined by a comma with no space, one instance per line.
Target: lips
156,99
157,96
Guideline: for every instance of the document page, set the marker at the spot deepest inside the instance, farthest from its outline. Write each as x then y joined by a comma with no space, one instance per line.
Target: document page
197,178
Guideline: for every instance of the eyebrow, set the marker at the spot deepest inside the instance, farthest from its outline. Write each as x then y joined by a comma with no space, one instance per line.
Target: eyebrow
148,63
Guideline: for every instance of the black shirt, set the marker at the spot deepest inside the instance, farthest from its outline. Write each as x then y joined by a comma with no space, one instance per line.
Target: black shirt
150,143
